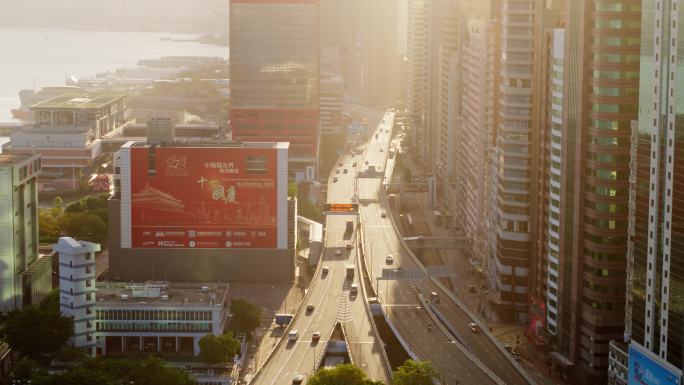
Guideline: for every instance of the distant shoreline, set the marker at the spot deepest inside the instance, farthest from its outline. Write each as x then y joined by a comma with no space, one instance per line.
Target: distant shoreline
147,29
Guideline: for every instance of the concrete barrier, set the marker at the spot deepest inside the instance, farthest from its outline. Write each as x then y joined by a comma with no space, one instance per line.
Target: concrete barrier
456,301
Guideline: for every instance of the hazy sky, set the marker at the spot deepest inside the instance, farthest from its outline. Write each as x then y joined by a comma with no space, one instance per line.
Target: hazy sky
157,15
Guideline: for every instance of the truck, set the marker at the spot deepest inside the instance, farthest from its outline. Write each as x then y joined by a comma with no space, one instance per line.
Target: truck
350,227
350,272
282,319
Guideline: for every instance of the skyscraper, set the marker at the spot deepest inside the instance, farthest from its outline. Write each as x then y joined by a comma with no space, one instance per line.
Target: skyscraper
274,66
516,158
25,277
476,131
417,70
601,72
366,33
655,276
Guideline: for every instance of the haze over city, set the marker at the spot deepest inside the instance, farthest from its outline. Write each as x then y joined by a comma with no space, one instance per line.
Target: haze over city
320,192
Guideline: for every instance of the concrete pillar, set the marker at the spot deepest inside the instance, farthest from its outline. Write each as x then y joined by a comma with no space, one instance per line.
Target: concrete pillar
140,344
123,344
195,343
158,344
177,344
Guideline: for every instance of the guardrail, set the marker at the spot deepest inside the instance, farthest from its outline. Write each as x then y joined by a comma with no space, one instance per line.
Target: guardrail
458,303
269,357
363,269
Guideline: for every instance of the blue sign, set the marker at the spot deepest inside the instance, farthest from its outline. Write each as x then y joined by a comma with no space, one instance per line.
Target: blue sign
646,368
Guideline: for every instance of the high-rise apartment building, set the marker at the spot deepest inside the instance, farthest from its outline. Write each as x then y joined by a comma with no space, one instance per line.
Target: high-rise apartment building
25,277
655,275
516,158
449,96
366,33
417,71
274,66
545,280
601,72
476,132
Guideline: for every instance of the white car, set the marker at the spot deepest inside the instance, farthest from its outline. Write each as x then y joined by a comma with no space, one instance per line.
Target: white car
293,335
297,379
338,252
383,214
389,259
474,327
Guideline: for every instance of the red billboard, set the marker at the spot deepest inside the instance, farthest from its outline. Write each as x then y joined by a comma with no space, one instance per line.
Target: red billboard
194,197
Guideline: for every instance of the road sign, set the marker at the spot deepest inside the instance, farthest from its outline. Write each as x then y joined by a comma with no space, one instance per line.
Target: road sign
417,273
341,207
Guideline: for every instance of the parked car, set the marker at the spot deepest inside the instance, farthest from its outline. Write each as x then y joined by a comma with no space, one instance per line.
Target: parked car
475,328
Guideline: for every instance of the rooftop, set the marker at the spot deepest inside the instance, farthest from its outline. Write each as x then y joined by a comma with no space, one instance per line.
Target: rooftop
7,159
80,100
161,293
215,143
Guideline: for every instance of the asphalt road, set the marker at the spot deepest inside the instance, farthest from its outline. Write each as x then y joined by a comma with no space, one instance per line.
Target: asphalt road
399,298
333,303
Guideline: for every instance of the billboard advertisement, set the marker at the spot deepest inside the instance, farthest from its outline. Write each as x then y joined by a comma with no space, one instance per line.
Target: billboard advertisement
195,197
645,368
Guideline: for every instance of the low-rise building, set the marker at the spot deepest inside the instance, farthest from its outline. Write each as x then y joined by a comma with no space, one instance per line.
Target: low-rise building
117,318
67,132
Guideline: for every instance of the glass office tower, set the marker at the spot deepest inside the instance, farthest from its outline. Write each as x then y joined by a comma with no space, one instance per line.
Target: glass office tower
274,65
655,299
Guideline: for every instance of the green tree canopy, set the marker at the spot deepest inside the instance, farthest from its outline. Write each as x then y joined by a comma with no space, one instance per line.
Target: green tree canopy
414,373
218,349
246,316
150,371
84,225
341,375
36,331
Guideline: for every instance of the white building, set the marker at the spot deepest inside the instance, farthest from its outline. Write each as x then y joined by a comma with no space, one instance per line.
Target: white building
115,318
476,131
556,136
77,288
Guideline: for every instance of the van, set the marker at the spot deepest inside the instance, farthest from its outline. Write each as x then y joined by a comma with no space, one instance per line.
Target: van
293,335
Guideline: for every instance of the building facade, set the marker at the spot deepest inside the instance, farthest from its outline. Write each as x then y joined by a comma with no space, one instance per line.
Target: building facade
227,202
67,132
655,257
274,66
516,158
332,103
77,275
475,132
601,72
25,276
123,319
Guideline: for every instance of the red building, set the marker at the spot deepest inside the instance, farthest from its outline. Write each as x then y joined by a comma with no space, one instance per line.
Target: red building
275,76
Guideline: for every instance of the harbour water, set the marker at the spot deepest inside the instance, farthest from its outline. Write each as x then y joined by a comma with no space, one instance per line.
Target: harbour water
44,57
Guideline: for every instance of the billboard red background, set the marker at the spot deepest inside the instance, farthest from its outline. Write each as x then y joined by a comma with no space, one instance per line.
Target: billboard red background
193,197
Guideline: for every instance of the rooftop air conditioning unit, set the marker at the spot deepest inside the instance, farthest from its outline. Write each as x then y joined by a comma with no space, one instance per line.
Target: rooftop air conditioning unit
124,297
205,289
164,297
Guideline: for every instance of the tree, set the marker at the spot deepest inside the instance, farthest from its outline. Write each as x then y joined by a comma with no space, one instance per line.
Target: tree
218,349
48,226
83,225
292,190
150,371
414,373
246,317
341,375
37,331
26,369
